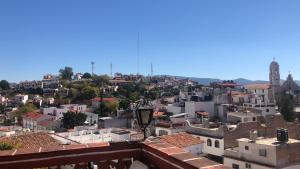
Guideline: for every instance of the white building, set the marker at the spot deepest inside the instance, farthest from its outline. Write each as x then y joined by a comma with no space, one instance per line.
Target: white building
263,153
188,142
261,93
192,107
59,112
242,117
20,99
3,100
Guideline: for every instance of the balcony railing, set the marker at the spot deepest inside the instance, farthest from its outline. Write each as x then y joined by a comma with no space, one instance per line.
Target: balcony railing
156,155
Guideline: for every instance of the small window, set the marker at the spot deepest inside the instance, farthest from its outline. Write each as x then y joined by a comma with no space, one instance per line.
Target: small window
217,144
247,148
209,142
254,119
263,152
235,166
247,165
263,91
267,110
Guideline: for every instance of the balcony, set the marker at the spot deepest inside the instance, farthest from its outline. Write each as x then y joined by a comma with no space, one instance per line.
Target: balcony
156,155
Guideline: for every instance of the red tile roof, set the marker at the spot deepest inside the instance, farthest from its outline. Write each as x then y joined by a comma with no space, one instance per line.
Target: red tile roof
34,140
181,140
257,86
33,115
158,114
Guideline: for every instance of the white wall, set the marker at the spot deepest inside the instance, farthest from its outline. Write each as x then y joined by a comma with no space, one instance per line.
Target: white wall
242,164
174,109
192,107
212,149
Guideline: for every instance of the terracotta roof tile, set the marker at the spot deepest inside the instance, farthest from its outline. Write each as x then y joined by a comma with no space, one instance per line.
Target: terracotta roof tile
181,140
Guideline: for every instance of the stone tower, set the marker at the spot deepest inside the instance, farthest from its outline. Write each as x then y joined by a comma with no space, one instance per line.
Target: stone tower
274,78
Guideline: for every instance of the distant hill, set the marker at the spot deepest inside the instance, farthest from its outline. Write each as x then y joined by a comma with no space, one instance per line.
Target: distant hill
242,81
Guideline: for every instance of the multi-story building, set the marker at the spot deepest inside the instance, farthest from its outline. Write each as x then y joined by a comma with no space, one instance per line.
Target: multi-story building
26,85
20,99
264,153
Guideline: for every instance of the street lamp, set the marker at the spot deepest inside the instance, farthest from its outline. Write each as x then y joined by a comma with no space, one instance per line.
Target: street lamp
144,113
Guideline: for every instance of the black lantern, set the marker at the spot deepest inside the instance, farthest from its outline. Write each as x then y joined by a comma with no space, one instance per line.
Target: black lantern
144,113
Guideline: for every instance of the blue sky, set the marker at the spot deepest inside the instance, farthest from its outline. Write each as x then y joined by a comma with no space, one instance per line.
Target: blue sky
224,39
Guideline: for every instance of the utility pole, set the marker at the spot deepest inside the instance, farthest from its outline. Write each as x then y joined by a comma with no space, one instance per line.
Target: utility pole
138,53
93,67
111,67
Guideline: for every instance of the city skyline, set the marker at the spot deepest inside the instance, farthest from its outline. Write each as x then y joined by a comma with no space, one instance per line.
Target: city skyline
225,40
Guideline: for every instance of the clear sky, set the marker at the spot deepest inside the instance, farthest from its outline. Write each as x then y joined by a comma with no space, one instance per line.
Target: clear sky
224,39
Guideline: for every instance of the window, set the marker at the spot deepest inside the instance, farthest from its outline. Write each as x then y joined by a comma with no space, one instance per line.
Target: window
267,110
162,132
235,166
247,148
254,119
217,144
209,142
263,152
263,91
247,165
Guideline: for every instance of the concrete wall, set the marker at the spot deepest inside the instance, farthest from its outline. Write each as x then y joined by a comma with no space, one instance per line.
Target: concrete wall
212,149
242,164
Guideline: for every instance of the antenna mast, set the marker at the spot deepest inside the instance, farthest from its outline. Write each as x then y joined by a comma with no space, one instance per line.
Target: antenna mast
93,67
111,67
138,53
151,69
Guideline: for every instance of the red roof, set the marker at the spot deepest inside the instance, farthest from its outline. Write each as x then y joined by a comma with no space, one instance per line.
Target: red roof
158,114
33,115
104,99
202,113
258,86
45,123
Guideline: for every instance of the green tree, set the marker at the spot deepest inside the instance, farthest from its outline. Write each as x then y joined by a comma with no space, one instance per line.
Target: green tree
5,146
88,93
101,80
28,107
4,85
124,104
287,107
86,76
71,119
2,107
107,108
66,73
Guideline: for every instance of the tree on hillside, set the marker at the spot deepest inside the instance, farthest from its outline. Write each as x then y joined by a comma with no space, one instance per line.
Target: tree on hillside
4,85
88,93
287,107
28,107
66,73
100,80
86,76
124,104
71,119
107,108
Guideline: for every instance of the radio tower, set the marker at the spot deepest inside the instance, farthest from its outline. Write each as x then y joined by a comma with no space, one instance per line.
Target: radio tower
138,54
111,67
93,67
151,69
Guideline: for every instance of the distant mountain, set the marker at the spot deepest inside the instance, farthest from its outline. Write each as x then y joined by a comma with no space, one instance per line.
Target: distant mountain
242,81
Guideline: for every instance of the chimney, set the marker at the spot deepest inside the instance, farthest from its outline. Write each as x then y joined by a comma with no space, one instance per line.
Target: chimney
253,135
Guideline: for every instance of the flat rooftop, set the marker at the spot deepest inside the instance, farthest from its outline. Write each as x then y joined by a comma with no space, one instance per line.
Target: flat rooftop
267,141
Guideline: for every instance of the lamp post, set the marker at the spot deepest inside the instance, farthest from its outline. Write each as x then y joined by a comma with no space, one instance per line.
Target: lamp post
144,113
